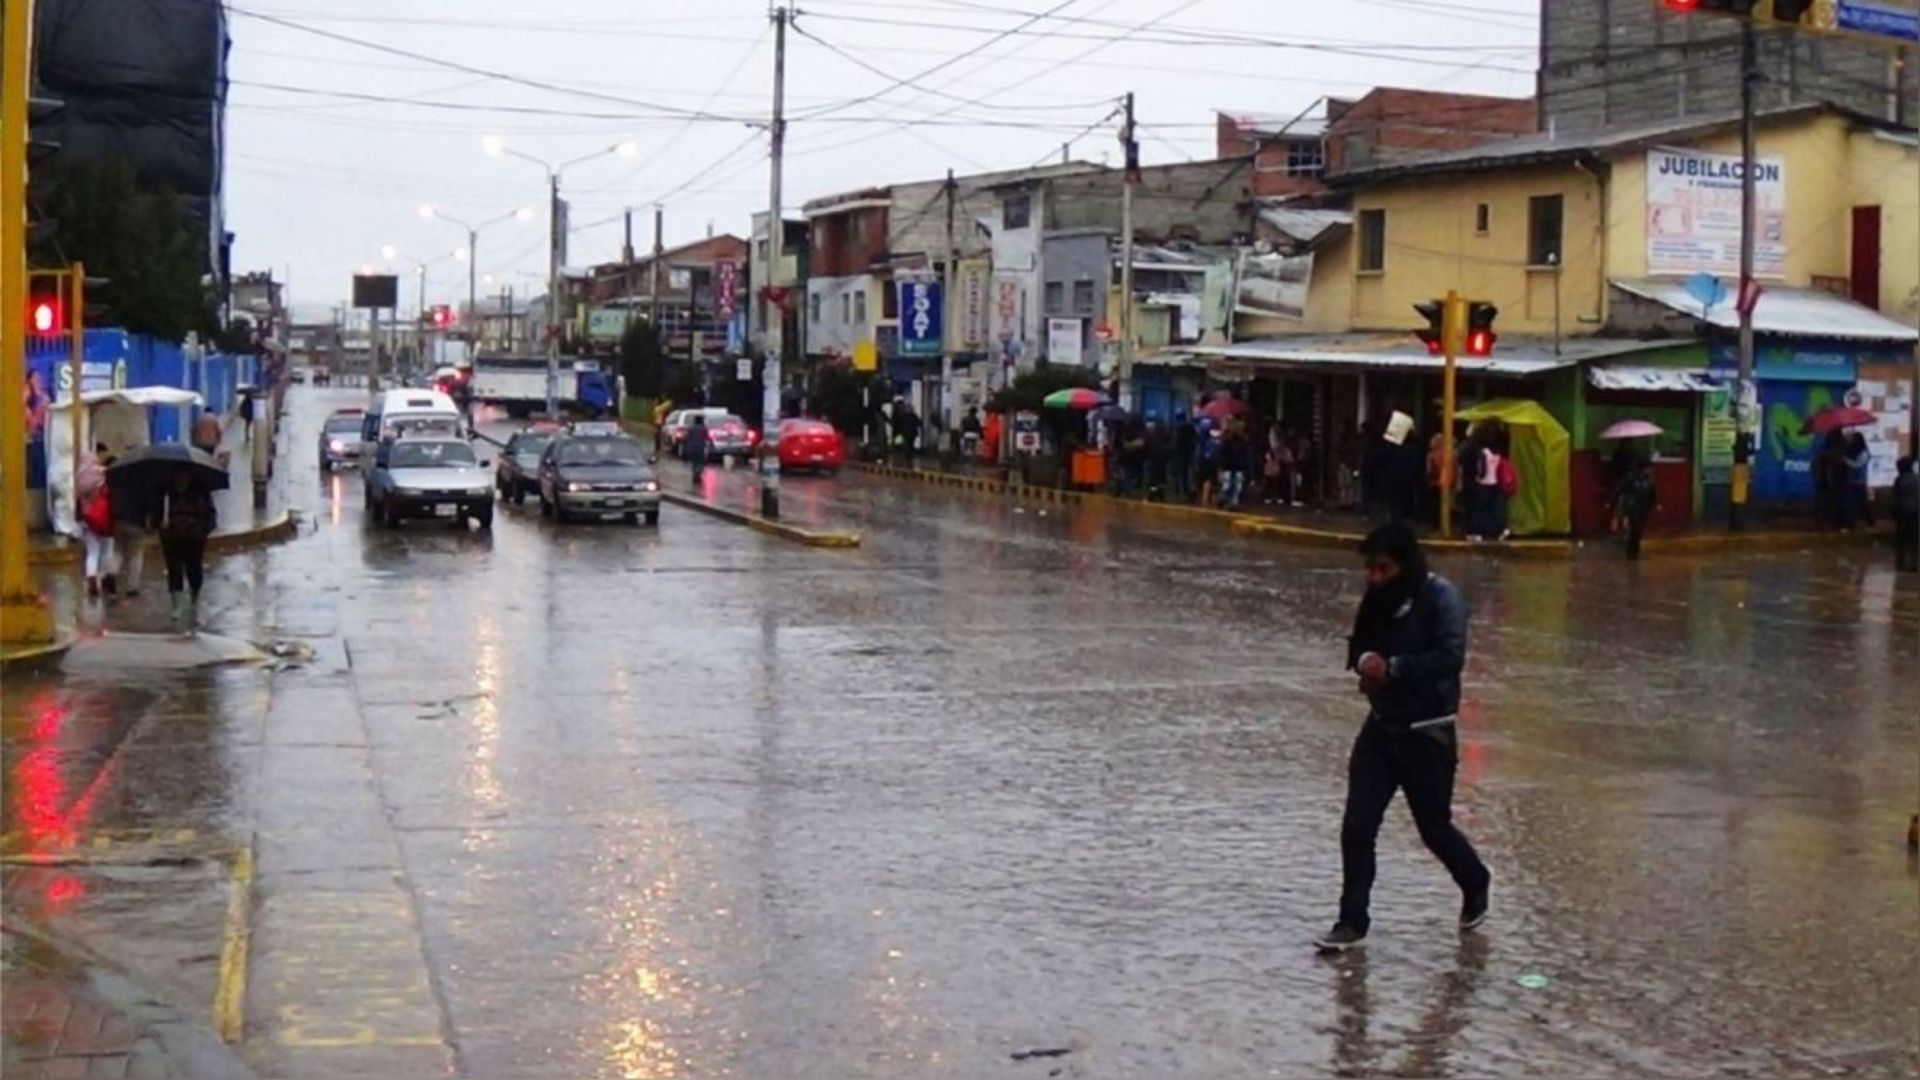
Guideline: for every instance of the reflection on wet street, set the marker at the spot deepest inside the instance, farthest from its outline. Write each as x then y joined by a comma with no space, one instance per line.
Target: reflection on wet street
603,800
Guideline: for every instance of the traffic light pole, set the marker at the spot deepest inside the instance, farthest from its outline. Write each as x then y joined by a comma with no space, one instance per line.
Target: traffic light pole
1745,423
775,324
24,618
1453,322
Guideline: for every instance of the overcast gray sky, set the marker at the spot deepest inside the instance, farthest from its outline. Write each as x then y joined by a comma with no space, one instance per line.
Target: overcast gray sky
333,145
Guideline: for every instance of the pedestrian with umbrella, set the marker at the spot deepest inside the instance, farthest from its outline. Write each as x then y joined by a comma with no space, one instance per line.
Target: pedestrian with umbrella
96,518
179,482
1834,463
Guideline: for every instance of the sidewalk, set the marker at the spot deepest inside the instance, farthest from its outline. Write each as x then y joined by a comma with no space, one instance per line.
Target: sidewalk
1314,525
240,525
66,1015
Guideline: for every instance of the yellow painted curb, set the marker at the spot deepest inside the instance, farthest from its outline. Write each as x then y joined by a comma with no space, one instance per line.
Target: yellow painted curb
781,529
280,528
230,999
1243,524
28,655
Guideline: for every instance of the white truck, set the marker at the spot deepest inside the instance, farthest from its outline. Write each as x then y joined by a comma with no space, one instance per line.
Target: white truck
518,385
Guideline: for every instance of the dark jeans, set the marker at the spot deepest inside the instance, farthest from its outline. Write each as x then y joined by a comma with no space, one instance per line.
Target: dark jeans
186,558
1421,763
1636,528
1906,542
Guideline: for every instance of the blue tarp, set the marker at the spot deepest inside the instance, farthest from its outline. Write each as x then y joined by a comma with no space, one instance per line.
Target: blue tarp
114,358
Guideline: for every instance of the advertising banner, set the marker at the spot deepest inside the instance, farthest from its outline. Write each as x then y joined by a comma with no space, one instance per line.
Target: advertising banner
921,330
1273,285
1693,214
1064,341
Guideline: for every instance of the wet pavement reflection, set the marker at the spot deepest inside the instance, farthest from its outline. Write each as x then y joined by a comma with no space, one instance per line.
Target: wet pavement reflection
601,800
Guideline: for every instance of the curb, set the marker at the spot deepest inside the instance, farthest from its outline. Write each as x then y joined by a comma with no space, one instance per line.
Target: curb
27,656
280,528
798,535
1267,529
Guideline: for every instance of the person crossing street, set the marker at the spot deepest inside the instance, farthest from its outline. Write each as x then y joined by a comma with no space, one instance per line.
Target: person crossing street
1408,647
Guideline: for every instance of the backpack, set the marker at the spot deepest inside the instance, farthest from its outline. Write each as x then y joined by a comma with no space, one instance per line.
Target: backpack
1638,494
1509,478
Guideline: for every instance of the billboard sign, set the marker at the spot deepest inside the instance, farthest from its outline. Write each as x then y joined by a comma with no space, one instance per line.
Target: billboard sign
1273,285
376,291
726,288
1066,341
921,329
1693,214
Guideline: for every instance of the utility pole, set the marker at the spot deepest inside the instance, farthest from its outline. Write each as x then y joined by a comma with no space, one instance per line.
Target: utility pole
1132,148
775,321
1453,332
949,280
1743,390
473,278
653,273
626,274
24,618
553,295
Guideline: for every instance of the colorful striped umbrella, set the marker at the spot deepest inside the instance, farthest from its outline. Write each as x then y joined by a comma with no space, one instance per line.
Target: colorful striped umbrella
1077,397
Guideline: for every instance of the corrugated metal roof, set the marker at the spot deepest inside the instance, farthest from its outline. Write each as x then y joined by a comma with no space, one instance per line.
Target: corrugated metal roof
1303,225
1514,356
1782,311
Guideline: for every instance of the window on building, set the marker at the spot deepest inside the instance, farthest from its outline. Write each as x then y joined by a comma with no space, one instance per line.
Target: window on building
1306,157
1083,296
856,229
846,309
1056,298
1544,221
1482,219
860,309
1373,241
890,300
813,309
1017,211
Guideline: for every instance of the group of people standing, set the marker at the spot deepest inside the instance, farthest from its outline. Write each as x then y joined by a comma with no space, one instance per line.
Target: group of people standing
1206,458
1395,482
116,524
1840,481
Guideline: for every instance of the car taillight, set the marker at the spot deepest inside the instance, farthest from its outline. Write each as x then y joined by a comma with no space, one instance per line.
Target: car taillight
753,436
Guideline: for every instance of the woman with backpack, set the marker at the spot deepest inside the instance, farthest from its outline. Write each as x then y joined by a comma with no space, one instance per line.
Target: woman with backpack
185,518
1635,498
96,518
1494,482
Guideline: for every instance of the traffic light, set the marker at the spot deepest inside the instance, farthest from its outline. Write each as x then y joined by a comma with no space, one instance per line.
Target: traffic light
1480,336
46,304
1433,335
441,315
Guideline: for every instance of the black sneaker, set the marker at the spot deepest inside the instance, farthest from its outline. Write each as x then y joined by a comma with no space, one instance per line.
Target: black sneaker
1339,939
1473,908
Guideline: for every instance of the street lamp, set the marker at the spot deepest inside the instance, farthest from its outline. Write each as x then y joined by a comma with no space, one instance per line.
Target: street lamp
496,146
434,213
392,253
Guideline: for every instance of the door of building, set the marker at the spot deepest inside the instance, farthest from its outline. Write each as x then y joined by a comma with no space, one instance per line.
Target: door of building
1866,256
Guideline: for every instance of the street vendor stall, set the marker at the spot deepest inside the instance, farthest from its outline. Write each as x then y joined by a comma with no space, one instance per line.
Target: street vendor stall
1540,449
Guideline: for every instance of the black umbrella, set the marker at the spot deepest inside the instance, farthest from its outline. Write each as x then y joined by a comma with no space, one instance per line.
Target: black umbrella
148,470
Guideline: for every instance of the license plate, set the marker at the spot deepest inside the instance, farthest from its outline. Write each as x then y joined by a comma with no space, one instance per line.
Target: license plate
445,509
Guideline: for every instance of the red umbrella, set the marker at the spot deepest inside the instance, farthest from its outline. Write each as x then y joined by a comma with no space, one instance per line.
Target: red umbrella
1835,417
1223,407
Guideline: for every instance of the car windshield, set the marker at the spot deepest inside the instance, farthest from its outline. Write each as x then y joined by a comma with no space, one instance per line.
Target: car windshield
601,452
530,445
337,424
429,455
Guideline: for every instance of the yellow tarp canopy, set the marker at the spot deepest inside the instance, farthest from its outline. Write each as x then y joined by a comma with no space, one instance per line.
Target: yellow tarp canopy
1542,455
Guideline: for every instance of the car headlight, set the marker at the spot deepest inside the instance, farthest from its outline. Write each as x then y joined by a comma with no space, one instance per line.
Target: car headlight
650,486
337,446
576,485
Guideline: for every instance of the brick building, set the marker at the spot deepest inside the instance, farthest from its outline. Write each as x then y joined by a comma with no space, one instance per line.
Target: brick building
1610,62
1294,154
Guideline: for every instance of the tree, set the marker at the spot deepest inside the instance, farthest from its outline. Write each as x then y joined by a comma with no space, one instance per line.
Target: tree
839,396
138,240
643,359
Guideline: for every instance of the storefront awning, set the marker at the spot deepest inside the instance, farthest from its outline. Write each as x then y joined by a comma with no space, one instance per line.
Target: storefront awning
1514,357
1653,379
1782,311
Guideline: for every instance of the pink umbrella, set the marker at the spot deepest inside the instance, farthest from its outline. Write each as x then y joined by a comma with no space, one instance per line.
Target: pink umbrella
1632,429
1223,407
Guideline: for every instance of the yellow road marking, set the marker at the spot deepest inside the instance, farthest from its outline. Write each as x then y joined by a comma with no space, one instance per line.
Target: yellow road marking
230,999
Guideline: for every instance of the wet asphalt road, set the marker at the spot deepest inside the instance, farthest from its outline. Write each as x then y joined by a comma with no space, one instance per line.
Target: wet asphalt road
605,800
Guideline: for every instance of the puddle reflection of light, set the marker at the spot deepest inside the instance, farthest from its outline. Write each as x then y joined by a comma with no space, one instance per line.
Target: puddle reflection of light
639,1052
61,893
336,491
485,773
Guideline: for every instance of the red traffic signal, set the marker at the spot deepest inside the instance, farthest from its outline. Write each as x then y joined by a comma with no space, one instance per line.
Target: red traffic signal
1433,335
441,315
46,307
1480,336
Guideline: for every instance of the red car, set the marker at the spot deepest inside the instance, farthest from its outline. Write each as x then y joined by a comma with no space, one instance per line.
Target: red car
811,444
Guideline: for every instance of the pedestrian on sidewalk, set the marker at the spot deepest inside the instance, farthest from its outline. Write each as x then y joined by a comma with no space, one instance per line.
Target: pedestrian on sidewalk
906,432
131,514
1159,461
185,519
1408,647
206,432
1830,481
1180,478
970,431
698,447
1859,495
95,525
1635,498
1906,515
1236,460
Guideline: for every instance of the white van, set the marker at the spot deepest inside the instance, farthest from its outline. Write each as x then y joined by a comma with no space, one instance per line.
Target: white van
399,412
